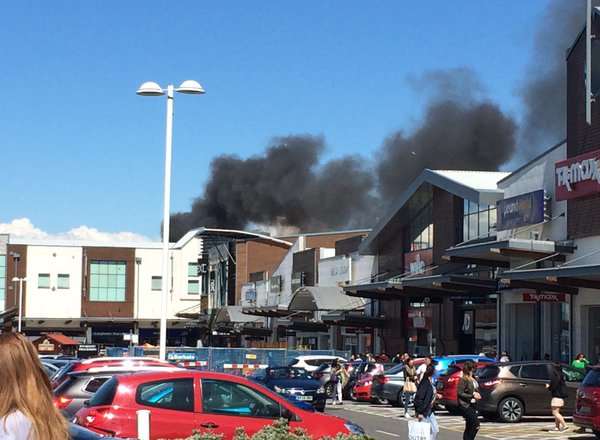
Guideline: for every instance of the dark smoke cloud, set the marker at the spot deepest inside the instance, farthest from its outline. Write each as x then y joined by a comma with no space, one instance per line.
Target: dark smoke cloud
289,186
544,92
286,186
461,130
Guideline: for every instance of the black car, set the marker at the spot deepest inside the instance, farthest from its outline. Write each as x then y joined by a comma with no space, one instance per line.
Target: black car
295,384
76,389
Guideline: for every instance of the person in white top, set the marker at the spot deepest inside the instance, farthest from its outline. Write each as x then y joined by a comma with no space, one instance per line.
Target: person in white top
423,367
26,408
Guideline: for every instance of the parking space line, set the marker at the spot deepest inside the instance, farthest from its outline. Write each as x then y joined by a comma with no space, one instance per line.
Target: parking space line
391,434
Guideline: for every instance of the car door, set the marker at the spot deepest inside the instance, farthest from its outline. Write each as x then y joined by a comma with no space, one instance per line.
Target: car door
228,405
171,402
533,390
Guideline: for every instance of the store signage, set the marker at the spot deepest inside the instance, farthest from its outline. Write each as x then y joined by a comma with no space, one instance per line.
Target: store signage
251,356
179,356
87,348
250,295
522,210
46,345
417,261
467,325
578,176
544,297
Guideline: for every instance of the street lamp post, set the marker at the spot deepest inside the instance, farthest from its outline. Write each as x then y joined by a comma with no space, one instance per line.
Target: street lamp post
153,89
20,281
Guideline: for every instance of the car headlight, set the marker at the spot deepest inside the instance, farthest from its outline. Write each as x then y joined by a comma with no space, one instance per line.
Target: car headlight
321,390
354,428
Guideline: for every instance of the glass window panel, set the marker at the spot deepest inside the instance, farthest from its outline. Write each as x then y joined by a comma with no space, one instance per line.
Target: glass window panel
192,269
120,295
493,218
473,225
112,269
2,270
156,283
483,223
465,206
63,281
121,282
430,236
121,268
473,207
112,281
44,280
193,287
466,228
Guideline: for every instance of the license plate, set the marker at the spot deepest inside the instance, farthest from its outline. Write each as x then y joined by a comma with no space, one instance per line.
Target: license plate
304,398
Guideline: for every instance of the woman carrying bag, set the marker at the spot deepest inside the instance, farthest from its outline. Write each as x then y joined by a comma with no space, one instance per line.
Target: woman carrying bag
427,426
467,400
410,385
558,389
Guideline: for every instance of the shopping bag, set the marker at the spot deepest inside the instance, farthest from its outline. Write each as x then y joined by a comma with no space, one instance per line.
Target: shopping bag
419,430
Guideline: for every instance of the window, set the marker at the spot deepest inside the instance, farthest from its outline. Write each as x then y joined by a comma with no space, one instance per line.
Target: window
193,270
107,280
156,283
592,379
106,393
538,372
94,384
478,220
2,280
230,398
193,287
176,394
44,280
63,281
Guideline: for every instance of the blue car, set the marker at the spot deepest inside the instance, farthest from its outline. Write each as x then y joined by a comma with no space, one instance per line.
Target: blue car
295,384
442,363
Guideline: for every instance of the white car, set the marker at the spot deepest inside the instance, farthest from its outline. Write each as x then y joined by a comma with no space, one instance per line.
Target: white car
312,362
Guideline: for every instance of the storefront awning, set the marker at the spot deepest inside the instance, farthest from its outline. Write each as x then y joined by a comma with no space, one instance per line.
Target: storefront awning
308,326
268,311
349,319
561,279
321,298
380,290
234,315
9,313
499,253
444,285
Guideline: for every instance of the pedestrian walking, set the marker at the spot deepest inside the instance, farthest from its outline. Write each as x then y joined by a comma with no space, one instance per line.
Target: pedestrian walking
423,367
558,390
26,408
580,362
468,396
339,377
424,400
410,385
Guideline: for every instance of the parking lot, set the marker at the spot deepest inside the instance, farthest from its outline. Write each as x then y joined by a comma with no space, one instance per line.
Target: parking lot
384,422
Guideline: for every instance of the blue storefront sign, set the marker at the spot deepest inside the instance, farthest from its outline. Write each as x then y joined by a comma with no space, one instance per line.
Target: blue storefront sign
179,356
522,210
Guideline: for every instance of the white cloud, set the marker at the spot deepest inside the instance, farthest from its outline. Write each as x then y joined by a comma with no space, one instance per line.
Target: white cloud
24,228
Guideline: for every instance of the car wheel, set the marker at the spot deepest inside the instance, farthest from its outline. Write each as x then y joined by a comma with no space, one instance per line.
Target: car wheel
511,410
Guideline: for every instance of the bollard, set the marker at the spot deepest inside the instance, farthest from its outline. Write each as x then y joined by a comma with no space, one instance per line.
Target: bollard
143,424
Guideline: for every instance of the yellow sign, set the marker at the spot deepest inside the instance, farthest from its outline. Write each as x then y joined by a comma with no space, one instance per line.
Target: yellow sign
46,345
250,356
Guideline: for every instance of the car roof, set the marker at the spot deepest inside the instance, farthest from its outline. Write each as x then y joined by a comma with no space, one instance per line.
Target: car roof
149,376
122,358
116,369
317,356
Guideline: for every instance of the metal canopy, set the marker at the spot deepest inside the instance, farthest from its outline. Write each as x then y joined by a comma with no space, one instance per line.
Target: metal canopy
347,319
381,290
499,253
563,278
321,298
268,311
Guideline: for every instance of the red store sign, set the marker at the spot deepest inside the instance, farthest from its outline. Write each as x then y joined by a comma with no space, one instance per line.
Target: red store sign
578,176
544,297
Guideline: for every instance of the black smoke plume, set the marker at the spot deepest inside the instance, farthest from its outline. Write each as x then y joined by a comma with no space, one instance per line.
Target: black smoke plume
461,130
288,185
544,92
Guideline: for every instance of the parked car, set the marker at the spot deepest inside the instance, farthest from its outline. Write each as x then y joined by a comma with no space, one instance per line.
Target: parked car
49,369
363,386
201,400
313,362
293,383
512,390
389,385
76,432
447,386
97,364
587,406
78,387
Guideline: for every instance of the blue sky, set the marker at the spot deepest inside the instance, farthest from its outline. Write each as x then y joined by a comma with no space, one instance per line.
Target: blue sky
80,148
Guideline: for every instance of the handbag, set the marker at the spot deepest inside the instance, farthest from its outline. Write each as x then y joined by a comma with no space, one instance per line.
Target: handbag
410,387
419,430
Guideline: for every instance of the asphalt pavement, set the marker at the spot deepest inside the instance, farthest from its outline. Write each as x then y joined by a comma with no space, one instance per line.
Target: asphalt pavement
384,422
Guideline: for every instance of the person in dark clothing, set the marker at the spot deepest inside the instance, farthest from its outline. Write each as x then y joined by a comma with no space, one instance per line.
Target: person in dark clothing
467,399
424,399
558,389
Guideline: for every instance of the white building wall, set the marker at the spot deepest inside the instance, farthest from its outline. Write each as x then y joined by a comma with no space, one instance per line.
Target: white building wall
54,302
285,271
334,271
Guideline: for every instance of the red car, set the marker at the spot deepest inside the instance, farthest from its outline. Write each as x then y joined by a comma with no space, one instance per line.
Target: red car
447,386
184,401
362,388
587,406
97,365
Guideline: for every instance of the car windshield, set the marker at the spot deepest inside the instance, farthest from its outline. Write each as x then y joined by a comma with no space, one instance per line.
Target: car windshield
592,379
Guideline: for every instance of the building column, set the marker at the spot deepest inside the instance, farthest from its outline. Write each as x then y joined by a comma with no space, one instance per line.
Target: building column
88,334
